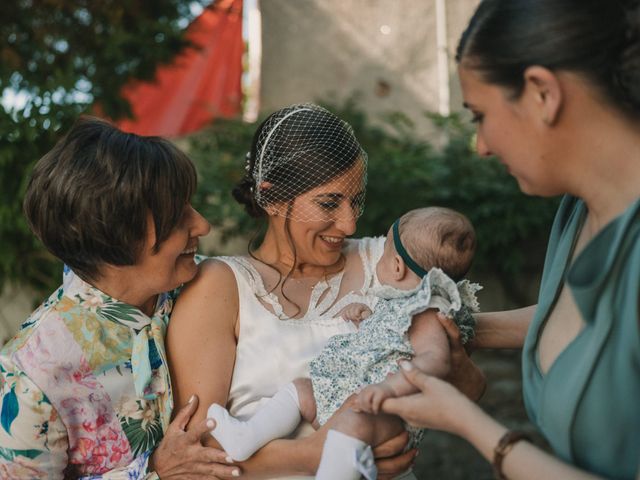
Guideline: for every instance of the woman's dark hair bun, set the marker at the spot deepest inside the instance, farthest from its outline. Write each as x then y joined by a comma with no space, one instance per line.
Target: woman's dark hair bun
595,38
243,194
627,74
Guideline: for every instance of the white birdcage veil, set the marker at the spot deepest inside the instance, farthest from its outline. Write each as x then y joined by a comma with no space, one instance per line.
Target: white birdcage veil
299,148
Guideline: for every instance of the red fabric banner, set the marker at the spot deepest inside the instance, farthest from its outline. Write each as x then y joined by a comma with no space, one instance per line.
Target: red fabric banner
201,84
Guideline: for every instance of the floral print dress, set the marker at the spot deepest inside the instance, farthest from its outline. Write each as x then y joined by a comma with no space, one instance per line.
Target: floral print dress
84,387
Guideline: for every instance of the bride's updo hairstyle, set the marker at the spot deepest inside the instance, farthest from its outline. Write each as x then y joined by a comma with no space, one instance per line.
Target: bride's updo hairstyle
294,150
597,39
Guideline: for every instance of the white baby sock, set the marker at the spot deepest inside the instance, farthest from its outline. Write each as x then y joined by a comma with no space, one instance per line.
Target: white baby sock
346,458
278,417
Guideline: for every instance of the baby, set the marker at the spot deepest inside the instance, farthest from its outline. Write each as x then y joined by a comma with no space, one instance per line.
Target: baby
426,251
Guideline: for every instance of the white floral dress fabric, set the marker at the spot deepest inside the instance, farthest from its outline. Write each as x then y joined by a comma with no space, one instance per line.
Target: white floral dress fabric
353,360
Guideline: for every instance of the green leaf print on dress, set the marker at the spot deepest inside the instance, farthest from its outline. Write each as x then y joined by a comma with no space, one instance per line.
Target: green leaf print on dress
142,426
121,312
10,409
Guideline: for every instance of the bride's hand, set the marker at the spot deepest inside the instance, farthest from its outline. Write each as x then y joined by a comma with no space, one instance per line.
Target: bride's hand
391,459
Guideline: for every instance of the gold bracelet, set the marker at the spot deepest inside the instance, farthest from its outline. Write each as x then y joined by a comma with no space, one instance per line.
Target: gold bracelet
504,446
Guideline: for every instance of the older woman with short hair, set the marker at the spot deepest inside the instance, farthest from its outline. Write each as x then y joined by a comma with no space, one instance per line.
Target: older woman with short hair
84,385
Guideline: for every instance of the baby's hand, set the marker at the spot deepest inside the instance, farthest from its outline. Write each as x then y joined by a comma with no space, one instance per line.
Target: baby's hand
370,398
355,312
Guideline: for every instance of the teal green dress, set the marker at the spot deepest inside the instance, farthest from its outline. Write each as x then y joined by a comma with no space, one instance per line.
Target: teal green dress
588,403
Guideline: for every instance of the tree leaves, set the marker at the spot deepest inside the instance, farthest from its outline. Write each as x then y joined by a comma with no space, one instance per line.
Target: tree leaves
61,57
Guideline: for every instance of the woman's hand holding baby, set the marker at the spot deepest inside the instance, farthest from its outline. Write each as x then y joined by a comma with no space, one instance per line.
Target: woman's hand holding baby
437,405
464,374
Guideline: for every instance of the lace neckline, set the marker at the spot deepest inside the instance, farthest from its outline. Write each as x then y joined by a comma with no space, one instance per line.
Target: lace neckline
324,304
325,289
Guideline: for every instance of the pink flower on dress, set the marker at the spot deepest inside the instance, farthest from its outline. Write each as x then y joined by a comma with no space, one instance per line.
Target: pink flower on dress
97,442
100,451
83,447
88,426
118,451
101,420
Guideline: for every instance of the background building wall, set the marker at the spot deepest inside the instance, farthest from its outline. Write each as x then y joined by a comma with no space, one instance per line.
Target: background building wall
383,51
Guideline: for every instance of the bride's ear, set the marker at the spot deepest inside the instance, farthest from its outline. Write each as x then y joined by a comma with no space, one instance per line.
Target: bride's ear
545,89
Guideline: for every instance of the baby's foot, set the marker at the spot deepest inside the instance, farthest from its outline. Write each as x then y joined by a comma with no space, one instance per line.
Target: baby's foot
278,417
234,436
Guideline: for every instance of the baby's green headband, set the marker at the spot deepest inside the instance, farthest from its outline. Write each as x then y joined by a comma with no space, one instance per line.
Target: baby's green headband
410,262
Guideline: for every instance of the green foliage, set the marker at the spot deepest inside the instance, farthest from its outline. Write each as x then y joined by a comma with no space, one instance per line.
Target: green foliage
404,172
22,257
62,57
219,154
83,51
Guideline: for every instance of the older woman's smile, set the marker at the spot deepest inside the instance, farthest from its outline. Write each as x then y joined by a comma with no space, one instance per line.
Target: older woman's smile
190,250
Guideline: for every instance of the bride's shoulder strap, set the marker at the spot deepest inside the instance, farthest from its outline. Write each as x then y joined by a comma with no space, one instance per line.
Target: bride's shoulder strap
369,250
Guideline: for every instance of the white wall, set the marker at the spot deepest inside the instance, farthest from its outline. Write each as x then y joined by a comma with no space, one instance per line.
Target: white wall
319,49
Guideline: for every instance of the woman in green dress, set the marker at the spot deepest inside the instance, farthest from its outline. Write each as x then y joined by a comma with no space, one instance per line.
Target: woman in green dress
554,86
